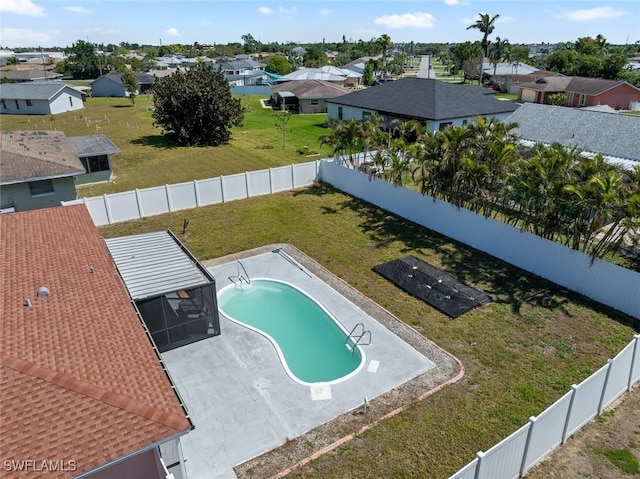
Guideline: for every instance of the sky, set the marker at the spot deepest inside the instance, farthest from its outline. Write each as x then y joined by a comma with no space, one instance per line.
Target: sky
60,23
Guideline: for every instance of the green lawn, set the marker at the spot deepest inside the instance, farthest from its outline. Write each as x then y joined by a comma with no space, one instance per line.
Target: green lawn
521,352
148,159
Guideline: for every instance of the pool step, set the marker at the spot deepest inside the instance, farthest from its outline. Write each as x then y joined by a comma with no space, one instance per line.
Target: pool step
358,336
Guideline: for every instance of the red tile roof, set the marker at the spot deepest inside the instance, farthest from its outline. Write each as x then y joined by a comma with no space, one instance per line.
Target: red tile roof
79,378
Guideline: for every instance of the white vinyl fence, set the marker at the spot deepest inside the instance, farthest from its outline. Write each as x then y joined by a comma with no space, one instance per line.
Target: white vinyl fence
604,282
131,205
514,456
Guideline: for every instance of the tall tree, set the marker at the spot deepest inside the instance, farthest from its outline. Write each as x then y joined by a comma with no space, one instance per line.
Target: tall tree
280,65
250,43
386,45
130,83
196,106
498,51
486,25
83,62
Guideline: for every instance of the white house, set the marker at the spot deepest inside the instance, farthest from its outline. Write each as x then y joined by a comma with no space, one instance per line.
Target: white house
39,98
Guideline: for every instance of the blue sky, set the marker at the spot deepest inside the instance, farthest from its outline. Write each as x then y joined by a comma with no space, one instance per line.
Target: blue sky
48,23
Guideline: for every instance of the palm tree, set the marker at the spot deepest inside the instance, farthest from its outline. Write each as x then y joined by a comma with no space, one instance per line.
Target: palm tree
385,44
498,51
486,25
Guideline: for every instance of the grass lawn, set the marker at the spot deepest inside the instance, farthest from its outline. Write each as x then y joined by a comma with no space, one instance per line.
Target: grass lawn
147,159
521,352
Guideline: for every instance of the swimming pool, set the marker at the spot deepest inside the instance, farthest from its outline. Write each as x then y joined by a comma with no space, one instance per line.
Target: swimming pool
311,343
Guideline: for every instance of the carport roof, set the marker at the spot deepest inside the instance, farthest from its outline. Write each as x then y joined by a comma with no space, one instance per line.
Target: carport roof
153,264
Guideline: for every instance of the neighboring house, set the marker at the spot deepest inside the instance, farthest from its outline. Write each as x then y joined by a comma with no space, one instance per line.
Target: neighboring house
247,79
37,170
434,103
313,74
32,74
614,135
305,96
582,91
39,98
94,151
507,68
111,85
240,67
84,390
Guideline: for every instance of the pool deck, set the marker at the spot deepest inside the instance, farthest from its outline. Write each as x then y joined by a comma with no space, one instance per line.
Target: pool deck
237,392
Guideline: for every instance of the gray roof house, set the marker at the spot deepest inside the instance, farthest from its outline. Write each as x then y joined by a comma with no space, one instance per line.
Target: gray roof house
434,103
32,74
37,170
94,152
111,85
614,135
39,98
240,67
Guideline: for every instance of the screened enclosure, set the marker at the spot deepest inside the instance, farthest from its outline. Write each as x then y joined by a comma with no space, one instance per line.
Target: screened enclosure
175,294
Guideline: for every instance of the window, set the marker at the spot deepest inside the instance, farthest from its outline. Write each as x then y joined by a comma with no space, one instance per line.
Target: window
315,102
464,122
583,100
4,105
95,163
340,112
29,103
40,188
71,100
365,114
444,125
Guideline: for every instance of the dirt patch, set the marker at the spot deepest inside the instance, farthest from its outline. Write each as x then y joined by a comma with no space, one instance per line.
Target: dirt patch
585,453
300,450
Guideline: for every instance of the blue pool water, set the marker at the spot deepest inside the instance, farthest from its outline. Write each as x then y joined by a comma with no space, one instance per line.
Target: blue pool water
310,342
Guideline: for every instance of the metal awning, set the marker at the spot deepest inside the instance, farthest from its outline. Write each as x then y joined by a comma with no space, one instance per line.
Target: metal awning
153,264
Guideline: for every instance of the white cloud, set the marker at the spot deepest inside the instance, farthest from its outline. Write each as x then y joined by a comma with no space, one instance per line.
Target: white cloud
21,7
407,20
284,11
596,13
453,3
21,37
78,9
173,32
325,12
265,10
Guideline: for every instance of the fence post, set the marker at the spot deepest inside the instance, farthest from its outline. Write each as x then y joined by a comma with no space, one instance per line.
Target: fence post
604,386
479,456
293,177
222,187
196,192
523,464
139,202
565,430
107,208
317,164
246,183
636,352
168,193
270,180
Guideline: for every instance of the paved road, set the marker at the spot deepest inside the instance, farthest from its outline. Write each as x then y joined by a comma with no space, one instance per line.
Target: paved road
426,69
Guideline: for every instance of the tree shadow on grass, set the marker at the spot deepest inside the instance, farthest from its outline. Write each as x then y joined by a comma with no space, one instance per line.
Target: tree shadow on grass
505,283
157,141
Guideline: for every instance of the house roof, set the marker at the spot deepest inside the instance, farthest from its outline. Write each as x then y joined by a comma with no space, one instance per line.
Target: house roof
40,90
143,78
247,64
92,145
153,264
311,89
81,380
426,99
508,68
32,155
313,74
32,74
588,86
611,134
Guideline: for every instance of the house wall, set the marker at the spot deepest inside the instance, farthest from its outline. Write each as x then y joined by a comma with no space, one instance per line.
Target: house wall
619,98
307,107
106,87
145,465
38,107
66,100
95,177
19,196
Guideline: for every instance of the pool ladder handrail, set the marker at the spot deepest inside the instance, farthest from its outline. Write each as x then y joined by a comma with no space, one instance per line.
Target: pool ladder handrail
355,338
239,277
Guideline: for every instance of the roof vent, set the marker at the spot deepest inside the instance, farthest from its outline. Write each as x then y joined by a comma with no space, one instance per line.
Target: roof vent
92,269
43,292
27,302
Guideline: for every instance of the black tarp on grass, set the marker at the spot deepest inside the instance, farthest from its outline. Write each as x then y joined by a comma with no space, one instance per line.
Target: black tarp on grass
432,285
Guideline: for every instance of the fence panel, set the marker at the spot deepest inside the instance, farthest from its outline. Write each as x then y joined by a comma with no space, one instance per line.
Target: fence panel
234,187
304,174
547,430
281,178
618,380
98,210
123,206
503,460
258,182
210,191
154,201
634,375
553,261
183,196
467,472
586,400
